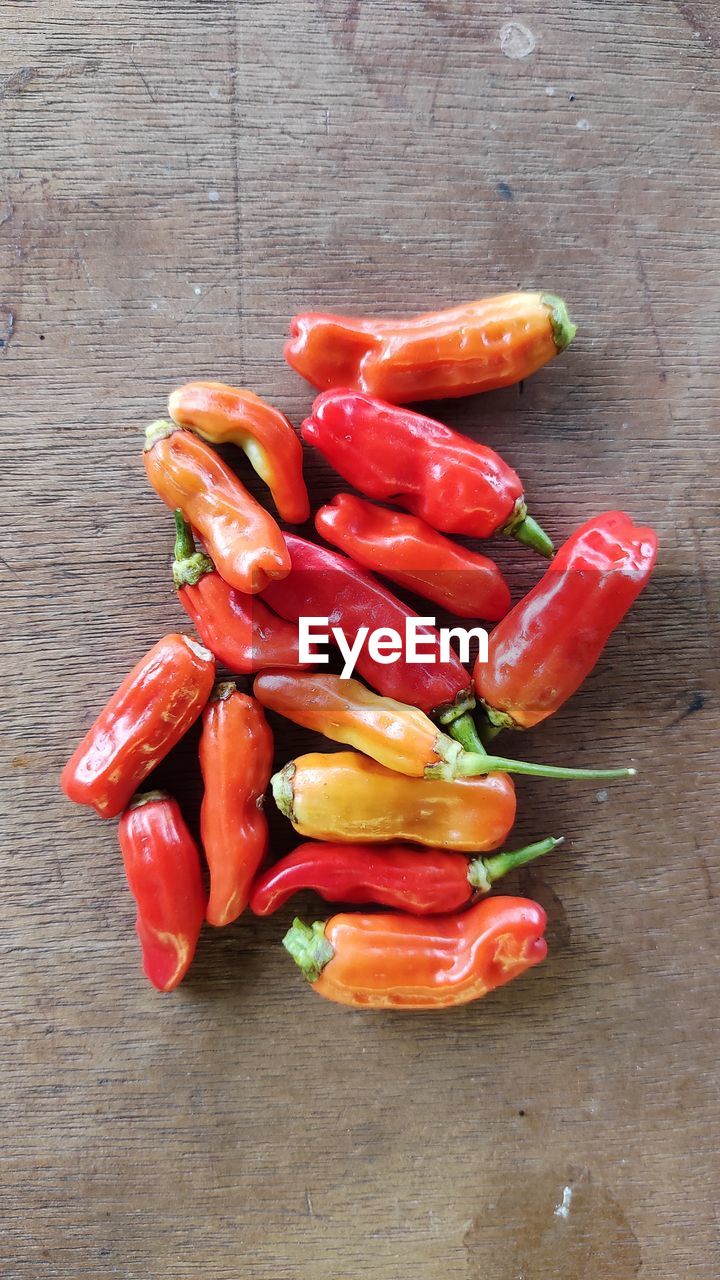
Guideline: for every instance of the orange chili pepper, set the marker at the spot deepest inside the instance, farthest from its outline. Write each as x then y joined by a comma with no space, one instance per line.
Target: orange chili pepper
162,864
242,538
144,719
236,750
400,737
473,347
230,415
394,961
347,797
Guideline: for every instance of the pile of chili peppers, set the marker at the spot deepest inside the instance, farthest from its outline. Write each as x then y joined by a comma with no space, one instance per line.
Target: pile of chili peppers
410,814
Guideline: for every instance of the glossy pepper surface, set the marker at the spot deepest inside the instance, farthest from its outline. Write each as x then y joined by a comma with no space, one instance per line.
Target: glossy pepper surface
395,961
241,630
327,585
231,415
396,455
347,797
407,550
400,737
476,346
144,719
162,864
546,646
242,538
236,749
421,881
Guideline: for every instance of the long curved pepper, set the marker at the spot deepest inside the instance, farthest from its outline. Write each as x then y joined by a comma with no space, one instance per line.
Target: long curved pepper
423,882
231,415
396,455
347,797
239,629
543,650
395,961
476,346
242,538
400,737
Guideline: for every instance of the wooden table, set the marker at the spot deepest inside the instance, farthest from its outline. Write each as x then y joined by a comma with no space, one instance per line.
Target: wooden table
178,179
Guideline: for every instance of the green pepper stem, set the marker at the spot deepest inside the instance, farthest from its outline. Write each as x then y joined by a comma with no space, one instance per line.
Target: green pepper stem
308,947
563,329
282,789
531,534
483,872
184,541
489,732
464,731
189,565
472,763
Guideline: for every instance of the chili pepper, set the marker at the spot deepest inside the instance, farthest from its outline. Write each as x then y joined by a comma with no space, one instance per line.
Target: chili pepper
326,585
236,750
392,961
423,882
396,455
242,538
408,551
400,737
546,646
228,415
241,631
144,719
162,864
346,797
476,346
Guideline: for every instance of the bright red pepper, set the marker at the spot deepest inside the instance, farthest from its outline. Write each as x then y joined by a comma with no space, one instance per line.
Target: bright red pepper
474,347
144,719
421,881
239,629
241,536
394,961
408,551
229,415
396,455
326,585
546,646
162,864
236,751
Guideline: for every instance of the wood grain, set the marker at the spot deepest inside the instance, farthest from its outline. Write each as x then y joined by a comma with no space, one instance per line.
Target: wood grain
177,179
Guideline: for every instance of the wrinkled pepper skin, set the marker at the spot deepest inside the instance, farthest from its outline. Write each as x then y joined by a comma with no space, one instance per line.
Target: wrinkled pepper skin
409,552
394,961
236,750
546,646
400,737
396,455
476,346
421,881
162,864
346,797
325,584
242,538
231,415
240,630
147,715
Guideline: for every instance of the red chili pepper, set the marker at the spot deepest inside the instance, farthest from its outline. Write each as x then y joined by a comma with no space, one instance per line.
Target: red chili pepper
229,415
474,347
423,882
162,864
394,961
239,629
144,719
242,537
546,646
399,456
236,750
408,551
326,585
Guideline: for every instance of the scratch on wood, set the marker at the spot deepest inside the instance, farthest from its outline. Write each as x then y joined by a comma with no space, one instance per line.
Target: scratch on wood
707,878
309,1203
236,128
7,328
142,76
8,212
696,703
697,23
15,83
651,313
